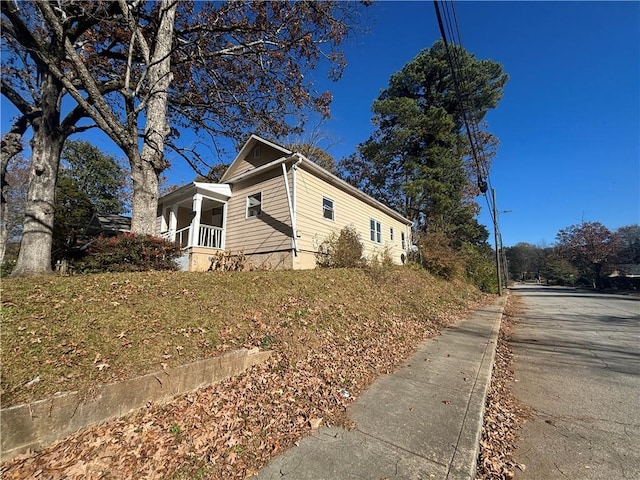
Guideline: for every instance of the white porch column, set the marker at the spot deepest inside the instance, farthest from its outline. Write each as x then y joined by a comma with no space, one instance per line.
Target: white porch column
194,230
173,222
224,226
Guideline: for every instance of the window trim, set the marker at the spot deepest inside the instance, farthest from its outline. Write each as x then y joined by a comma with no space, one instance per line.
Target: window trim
375,230
246,211
332,209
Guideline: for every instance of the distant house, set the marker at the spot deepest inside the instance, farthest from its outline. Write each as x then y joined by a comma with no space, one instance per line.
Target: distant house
629,270
276,206
107,225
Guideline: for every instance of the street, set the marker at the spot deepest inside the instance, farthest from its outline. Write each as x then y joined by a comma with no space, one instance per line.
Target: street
577,364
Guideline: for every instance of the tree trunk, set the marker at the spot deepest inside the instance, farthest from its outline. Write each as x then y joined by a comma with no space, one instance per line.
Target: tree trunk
145,196
146,168
46,146
11,146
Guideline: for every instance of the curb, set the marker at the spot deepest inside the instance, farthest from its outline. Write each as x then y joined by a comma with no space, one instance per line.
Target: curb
468,447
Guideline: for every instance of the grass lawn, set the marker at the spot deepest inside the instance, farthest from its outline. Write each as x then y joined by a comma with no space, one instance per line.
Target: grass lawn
328,329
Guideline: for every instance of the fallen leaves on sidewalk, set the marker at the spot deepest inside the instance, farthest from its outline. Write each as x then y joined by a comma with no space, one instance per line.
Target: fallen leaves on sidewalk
503,414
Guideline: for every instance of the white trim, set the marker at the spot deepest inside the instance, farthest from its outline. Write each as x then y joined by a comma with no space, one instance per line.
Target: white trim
260,169
377,231
333,209
246,149
246,210
194,230
294,236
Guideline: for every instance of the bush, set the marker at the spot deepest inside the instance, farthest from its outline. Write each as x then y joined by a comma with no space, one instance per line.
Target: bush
380,264
129,252
225,261
6,268
439,258
480,268
471,263
341,251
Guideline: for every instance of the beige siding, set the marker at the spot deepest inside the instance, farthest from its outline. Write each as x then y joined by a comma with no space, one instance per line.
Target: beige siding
267,154
313,228
271,230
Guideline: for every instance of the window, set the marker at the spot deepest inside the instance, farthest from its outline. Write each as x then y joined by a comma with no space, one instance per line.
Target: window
391,233
376,231
403,241
327,208
254,204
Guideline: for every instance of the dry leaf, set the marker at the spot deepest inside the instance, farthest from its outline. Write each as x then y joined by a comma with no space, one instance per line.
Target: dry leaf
315,423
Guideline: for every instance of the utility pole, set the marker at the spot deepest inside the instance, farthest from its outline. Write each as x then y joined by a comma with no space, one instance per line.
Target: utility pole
495,236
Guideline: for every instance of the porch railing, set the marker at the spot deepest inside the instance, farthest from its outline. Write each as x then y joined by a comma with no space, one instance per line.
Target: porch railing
208,236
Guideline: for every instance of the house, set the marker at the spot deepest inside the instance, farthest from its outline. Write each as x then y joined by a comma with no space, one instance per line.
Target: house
276,206
107,225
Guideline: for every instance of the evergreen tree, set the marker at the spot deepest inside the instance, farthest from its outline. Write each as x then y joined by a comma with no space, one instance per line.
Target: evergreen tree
97,174
414,161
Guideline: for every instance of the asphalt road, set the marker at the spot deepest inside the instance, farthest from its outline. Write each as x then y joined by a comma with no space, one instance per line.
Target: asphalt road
577,364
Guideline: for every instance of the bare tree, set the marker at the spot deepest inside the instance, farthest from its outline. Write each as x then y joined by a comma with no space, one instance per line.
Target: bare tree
29,84
145,70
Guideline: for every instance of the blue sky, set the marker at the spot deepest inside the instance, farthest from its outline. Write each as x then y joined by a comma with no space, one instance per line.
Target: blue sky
569,121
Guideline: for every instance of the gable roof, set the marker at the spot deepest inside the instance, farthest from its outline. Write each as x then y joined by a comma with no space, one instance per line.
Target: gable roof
108,224
249,145
292,157
219,191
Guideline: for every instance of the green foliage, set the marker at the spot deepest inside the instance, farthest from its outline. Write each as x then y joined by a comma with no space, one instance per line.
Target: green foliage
472,263
129,252
525,261
480,269
6,268
560,271
341,251
73,212
89,182
100,176
414,161
629,252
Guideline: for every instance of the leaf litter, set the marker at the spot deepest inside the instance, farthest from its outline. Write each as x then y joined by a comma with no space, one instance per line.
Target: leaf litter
504,414
324,353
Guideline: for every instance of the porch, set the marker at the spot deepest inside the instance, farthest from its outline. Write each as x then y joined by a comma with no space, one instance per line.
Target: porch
194,217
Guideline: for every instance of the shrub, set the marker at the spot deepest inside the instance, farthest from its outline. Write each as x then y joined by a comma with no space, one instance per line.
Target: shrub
341,251
226,261
7,267
439,257
380,264
129,252
480,268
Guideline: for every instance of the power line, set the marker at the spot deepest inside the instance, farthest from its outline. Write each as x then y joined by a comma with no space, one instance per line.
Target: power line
450,28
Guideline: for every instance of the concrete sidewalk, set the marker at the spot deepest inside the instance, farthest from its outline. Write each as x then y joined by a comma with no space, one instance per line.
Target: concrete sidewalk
421,422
